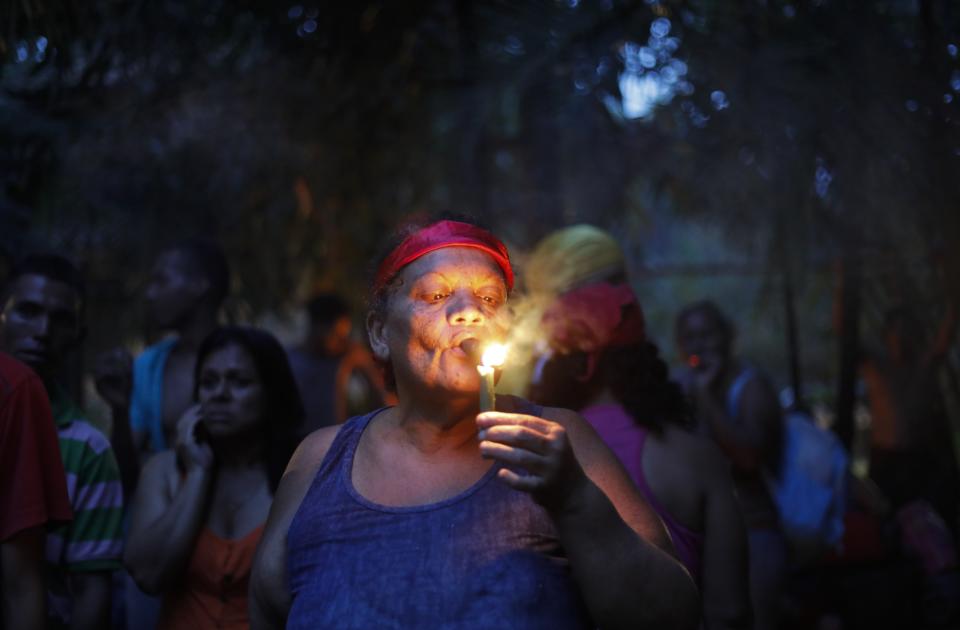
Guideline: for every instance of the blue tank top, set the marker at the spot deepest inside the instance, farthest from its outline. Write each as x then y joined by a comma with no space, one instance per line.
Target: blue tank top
489,557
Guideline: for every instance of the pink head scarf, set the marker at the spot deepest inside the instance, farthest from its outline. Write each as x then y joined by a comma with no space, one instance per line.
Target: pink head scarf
592,318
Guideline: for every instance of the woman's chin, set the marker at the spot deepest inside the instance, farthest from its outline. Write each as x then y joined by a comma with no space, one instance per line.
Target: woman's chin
229,429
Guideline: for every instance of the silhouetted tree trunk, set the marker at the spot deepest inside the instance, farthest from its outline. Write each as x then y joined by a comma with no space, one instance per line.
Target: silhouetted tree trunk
471,190
849,349
793,346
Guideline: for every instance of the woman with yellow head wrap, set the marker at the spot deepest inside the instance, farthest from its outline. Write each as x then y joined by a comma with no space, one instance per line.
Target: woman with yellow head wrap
563,260
594,356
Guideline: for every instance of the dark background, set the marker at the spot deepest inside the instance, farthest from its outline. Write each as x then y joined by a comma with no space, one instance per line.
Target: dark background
747,151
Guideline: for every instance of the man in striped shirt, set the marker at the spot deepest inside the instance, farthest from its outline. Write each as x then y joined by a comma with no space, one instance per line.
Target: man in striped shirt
40,323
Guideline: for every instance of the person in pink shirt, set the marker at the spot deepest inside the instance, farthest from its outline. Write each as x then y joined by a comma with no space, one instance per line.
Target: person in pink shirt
601,363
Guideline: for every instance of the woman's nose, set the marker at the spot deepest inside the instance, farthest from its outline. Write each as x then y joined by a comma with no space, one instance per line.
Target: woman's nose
465,310
41,325
221,390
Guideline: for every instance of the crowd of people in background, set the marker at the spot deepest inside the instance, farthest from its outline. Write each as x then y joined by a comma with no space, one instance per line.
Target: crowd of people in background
350,482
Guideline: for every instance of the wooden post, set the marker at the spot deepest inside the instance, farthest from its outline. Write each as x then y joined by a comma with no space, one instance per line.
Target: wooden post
849,350
793,346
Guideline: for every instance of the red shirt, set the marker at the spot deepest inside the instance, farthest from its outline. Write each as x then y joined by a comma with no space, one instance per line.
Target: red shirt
33,486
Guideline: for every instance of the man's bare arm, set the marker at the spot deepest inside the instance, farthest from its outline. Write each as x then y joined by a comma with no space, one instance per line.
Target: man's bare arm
23,594
91,600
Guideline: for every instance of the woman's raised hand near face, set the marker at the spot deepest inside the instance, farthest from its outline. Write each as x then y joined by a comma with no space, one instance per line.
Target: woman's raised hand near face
536,456
706,376
192,453
113,376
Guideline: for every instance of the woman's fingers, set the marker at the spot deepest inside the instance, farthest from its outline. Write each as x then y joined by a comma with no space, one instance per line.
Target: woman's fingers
191,450
527,432
524,483
535,452
518,436
516,457
187,424
500,418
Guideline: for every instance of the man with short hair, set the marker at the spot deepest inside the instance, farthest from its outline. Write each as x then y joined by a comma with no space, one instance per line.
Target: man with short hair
337,376
41,321
187,286
188,283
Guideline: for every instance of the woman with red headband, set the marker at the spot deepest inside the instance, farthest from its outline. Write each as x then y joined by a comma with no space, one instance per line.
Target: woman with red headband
428,515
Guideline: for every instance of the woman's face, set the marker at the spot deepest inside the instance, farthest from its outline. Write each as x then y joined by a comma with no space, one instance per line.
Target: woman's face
702,335
230,392
442,299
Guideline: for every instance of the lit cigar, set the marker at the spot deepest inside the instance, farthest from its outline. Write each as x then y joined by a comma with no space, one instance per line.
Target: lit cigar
473,349
493,356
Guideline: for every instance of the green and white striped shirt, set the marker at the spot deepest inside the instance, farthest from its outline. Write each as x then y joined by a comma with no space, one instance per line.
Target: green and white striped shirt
93,541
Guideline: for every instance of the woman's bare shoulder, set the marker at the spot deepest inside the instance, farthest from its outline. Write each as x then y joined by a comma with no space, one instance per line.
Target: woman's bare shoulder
692,447
300,472
312,449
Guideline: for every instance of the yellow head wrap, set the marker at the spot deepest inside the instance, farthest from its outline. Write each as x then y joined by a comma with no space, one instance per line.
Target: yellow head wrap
564,260
573,257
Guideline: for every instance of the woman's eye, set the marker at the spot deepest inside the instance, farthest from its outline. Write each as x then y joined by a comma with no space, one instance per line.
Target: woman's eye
436,297
27,309
239,381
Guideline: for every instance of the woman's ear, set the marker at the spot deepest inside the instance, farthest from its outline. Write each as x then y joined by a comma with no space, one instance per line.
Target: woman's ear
377,334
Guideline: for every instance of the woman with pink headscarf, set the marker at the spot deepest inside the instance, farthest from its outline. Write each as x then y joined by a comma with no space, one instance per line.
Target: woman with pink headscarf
601,363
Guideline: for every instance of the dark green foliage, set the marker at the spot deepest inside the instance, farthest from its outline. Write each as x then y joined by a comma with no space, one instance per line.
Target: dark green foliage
300,134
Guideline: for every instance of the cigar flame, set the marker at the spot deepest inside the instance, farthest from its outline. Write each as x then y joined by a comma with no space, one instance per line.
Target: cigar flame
494,355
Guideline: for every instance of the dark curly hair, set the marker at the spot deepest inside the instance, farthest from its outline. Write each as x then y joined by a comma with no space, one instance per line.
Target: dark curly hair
282,405
636,375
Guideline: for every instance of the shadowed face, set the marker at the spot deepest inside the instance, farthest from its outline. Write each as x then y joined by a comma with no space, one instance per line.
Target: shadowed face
230,392
702,336
41,322
440,300
173,290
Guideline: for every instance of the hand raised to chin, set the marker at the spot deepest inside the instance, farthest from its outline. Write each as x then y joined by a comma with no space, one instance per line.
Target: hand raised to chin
192,453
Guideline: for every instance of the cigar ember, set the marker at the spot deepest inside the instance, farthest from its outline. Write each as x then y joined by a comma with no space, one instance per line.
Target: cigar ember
473,349
694,361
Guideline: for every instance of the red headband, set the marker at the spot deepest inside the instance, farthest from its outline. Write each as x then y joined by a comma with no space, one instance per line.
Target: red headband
436,236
